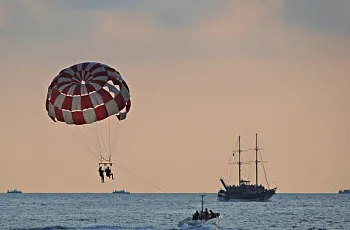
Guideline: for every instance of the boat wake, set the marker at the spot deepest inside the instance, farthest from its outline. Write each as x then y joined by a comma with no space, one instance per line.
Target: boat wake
98,227
202,226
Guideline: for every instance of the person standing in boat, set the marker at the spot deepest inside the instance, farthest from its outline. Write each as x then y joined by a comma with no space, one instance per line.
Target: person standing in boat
206,214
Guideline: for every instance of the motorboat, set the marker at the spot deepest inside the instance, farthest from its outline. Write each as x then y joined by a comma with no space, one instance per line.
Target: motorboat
201,218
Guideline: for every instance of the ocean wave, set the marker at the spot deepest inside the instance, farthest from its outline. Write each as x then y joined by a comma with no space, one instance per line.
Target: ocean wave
98,227
104,227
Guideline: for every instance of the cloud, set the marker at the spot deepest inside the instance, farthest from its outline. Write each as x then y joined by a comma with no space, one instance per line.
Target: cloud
320,16
179,13
92,5
166,31
253,29
36,22
3,18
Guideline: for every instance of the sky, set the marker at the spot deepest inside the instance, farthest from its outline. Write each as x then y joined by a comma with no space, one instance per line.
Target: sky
200,73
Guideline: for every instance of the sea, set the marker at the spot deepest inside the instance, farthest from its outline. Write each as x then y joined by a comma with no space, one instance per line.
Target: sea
164,211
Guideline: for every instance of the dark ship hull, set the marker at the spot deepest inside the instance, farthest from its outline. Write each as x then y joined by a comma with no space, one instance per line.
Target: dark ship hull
245,194
344,191
14,191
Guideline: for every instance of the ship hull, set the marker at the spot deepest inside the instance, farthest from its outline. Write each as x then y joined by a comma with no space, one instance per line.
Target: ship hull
121,192
190,222
243,196
14,191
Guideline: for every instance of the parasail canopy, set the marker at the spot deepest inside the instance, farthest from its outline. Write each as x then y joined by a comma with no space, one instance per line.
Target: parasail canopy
86,93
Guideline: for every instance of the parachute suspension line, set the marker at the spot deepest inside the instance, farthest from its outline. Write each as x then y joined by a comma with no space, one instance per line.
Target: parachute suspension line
90,135
109,139
97,138
94,136
111,122
86,145
113,131
94,140
112,134
95,131
116,135
148,182
102,139
105,137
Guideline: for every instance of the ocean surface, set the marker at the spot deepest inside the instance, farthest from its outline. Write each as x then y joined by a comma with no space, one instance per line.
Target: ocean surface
164,211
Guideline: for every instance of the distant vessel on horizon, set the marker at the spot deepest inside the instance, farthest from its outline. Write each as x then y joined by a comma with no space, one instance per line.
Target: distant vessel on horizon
344,191
14,191
123,191
244,191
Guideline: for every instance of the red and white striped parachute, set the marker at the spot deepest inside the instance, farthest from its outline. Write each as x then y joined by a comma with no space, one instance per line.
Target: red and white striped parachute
88,95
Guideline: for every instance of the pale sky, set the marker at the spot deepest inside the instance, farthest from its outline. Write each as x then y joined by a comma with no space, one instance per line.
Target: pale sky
200,73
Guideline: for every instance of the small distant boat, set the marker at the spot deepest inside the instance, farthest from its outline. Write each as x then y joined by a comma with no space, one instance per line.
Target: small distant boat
121,191
200,218
344,191
14,191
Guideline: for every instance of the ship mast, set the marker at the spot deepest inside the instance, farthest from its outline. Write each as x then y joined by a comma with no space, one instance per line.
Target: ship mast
256,158
239,160
202,202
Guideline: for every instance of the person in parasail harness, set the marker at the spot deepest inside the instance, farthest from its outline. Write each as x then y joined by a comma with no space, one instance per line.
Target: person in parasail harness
100,170
109,173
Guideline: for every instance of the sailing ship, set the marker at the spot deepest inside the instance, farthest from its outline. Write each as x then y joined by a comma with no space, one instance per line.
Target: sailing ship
344,191
245,191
